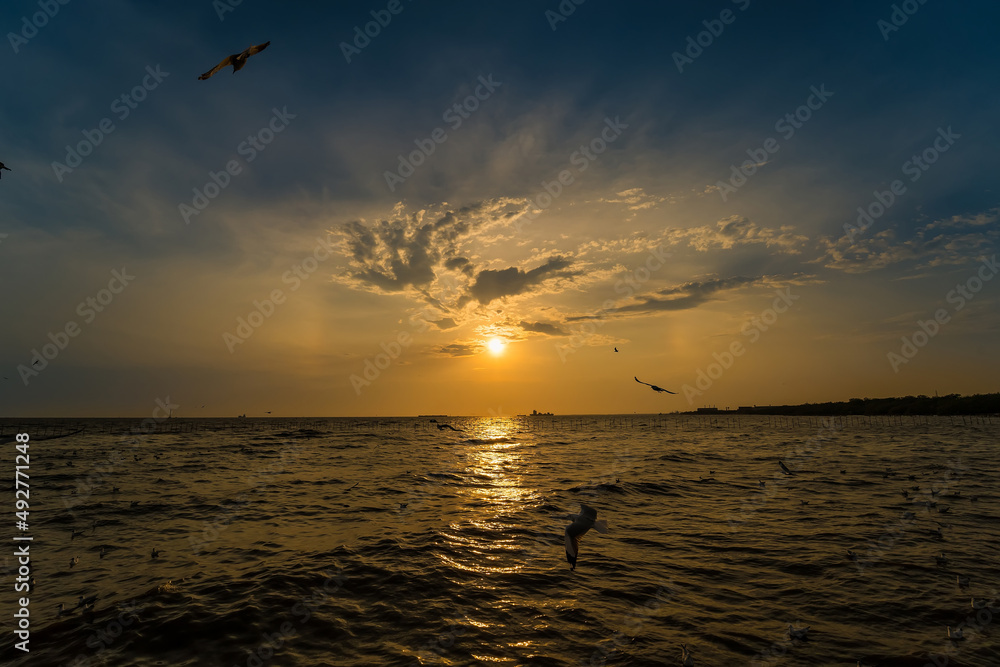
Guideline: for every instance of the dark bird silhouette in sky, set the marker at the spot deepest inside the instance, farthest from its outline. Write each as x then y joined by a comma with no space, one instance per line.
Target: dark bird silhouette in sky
2,167
654,387
582,522
237,60
616,349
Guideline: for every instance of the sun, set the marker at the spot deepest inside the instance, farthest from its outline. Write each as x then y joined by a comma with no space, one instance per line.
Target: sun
496,345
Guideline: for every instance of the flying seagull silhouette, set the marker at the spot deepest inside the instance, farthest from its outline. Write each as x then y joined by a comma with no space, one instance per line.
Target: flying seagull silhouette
237,60
3,166
655,388
442,427
582,522
784,468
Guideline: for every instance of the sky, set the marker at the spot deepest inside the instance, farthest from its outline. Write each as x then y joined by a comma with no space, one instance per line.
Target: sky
403,208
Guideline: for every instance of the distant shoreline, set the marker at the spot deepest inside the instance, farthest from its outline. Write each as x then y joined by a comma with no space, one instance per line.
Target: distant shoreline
941,406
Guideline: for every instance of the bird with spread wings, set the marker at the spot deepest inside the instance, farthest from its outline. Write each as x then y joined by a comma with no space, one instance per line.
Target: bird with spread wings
654,387
237,60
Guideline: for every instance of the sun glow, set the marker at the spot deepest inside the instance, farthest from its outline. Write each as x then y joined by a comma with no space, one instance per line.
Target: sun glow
496,345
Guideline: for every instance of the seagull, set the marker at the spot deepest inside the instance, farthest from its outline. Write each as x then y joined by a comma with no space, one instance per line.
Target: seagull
804,502
3,166
154,553
582,522
844,471
86,602
355,484
237,60
616,349
655,388
442,427
944,510
797,633
760,483
942,559
955,634
852,555
784,468
686,659
906,494
73,561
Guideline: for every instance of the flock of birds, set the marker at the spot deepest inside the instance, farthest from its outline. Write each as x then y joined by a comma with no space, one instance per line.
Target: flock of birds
88,603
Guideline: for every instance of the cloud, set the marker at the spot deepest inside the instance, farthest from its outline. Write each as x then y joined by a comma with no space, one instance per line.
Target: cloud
445,323
459,349
738,231
635,198
545,328
410,250
691,295
947,242
495,284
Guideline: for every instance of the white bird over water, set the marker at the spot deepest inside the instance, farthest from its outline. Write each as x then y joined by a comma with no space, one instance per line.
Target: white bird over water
237,60
797,633
582,522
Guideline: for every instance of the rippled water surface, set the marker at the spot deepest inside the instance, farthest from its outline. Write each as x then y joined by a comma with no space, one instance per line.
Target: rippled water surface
393,542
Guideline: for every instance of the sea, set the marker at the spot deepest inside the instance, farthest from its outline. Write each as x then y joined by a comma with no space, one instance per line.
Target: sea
440,541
